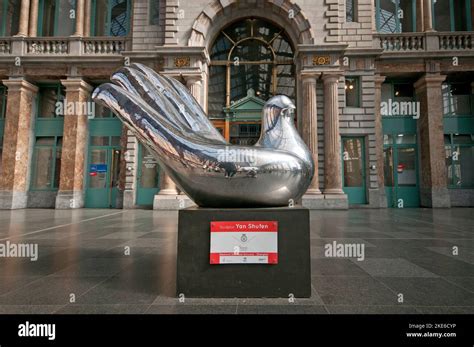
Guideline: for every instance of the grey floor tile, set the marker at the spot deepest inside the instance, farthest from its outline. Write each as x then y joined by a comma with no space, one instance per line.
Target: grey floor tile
192,309
29,309
335,267
430,292
396,267
102,309
380,309
445,309
281,309
353,291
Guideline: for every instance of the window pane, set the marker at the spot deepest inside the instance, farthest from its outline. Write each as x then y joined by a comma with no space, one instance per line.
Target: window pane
460,15
245,77
66,24
217,83
47,21
99,19
388,166
98,179
350,11
48,97
119,17
463,139
99,140
387,139
442,16
406,167
456,99
9,17
387,17
353,162
406,16
463,167
154,6
352,92
252,50
405,139
57,167
115,141
43,176
149,170
101,111
45,141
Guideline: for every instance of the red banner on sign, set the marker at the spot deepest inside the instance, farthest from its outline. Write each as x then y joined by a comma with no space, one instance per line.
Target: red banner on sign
248,226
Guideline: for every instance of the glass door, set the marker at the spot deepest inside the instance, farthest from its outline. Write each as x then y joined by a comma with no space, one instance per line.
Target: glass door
103,172
147,178
401,171
353,157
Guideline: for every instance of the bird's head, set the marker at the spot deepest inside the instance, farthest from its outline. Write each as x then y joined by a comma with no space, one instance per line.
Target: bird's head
278,107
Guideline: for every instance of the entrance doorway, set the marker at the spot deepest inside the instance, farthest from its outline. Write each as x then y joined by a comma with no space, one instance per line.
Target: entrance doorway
103,172
401,170
354,175
148,177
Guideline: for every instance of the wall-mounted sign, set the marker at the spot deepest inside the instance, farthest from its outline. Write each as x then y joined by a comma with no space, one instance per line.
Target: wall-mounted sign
98,168
244,242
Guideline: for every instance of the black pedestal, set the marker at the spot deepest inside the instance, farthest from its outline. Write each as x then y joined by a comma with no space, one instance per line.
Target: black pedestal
196,277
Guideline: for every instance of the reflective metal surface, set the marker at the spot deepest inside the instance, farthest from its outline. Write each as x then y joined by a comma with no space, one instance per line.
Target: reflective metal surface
166,118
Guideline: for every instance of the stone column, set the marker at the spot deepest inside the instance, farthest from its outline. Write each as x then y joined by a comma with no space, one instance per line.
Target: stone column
194,85
419,16
379,140
24,18
87,18
433,185
33,18
332,141
310,126
73,157
167,186
79,18
17,143
427,15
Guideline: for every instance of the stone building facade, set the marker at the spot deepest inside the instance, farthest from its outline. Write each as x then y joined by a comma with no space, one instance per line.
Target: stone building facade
383,91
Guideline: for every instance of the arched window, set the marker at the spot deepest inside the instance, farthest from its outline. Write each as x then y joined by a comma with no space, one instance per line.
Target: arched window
249,59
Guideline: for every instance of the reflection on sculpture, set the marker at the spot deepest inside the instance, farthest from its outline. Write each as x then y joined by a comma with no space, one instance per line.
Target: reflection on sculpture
166,118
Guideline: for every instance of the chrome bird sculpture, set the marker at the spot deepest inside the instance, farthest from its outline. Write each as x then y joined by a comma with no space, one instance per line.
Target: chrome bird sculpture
167,120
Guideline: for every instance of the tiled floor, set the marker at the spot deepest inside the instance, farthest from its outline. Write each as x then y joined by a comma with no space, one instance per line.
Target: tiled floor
409,265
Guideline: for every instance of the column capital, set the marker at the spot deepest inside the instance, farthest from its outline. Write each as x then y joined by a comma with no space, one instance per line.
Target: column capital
379,79
429,81
76,84
16,84
309,76
332,77
192,79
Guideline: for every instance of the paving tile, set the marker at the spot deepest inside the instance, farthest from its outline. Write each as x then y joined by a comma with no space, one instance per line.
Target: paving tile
335,267
353,291
194,309
281,309
430,292
397,267
102,309
380,309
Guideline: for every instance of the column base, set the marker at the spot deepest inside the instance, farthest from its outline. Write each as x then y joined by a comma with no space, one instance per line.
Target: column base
435,197
377,198
325,202
11,200
66,200
172,202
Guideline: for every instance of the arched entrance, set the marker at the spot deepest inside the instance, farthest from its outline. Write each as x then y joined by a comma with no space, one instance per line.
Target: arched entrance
251,61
